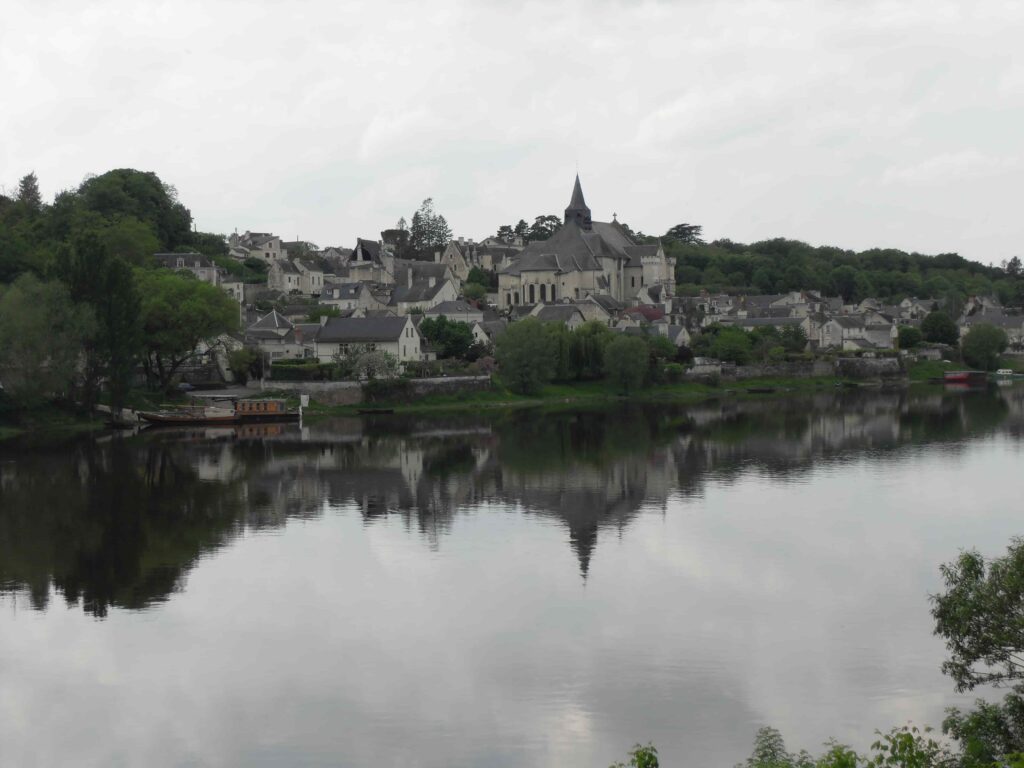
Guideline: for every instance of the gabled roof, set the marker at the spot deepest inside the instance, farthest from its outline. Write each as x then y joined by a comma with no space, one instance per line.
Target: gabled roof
557,313
420,290
609,303
647,312
285,266
271,321
344,290
188,260
457,307
355,330
370,248
637,252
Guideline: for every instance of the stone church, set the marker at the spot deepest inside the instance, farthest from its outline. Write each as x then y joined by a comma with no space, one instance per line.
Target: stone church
583,258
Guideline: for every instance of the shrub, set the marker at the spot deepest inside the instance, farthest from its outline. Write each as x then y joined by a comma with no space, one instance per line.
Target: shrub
674,373
387,390
909,337
982,346
625,363
938,327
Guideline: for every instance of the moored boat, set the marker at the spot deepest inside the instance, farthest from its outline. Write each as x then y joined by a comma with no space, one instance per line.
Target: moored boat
965,377
244,411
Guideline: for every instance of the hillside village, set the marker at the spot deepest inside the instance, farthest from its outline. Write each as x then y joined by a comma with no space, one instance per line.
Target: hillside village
323,302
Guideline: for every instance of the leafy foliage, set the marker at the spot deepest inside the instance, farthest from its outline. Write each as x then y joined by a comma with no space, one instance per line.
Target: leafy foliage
429,231
640,757
780,265
177,313
524,356
43,332
981,617
452,338
982,345
939,328
909,337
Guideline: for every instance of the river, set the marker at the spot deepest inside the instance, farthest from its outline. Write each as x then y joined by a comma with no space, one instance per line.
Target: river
527,588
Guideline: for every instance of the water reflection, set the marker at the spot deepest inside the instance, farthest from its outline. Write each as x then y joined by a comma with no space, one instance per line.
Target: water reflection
121,522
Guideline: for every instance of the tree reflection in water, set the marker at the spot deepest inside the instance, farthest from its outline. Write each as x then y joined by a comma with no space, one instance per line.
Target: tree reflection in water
121,522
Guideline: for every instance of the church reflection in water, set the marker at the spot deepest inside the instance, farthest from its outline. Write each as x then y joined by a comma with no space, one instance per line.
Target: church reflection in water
119,522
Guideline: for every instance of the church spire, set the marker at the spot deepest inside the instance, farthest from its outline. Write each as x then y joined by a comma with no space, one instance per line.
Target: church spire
578,210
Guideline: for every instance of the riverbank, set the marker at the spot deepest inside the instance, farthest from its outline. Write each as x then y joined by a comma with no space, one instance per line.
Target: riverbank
49,421
591,393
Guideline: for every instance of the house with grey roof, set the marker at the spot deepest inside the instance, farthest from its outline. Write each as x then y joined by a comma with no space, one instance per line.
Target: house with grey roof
584,257
568,315
342,336
852,333
1012,325
284,276
259,245
458,309
350,296
274,336
196,263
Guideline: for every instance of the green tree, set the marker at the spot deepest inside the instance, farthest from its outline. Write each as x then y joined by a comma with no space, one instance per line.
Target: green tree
28,193
544,227
732,345
685,233
242,363
43,332
429,230
844,280
939,328
640,757
909,337
452,338
990,734
483,277
177,313
625,363
586,349
793,338
143,196
474,291
524,356
978,615
982,345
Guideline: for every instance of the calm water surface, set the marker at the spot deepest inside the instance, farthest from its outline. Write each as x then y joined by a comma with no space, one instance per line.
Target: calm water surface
523,589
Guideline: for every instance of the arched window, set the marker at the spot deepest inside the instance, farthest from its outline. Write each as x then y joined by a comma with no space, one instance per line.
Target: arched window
543,292
533,296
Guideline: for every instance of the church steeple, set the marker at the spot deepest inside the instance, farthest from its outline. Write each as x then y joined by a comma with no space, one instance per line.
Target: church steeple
578,210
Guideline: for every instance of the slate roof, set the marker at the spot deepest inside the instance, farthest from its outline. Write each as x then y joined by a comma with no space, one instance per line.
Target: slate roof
286,266
572,249
558,313
271,321
344,290
637,252
762,322
370,248
189,260
607,302
646,312
420,290
849,321
420,269
348,330
458,307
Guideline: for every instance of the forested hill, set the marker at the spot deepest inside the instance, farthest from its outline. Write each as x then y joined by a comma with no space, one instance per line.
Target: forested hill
134,215
780,265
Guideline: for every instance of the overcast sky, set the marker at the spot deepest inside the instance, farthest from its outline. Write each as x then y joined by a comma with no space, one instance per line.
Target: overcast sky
856,124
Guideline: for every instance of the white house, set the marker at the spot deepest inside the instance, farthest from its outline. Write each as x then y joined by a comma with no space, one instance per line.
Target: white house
397,336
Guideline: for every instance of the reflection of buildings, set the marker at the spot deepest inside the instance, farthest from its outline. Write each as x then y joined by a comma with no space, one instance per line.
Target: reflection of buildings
121,521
